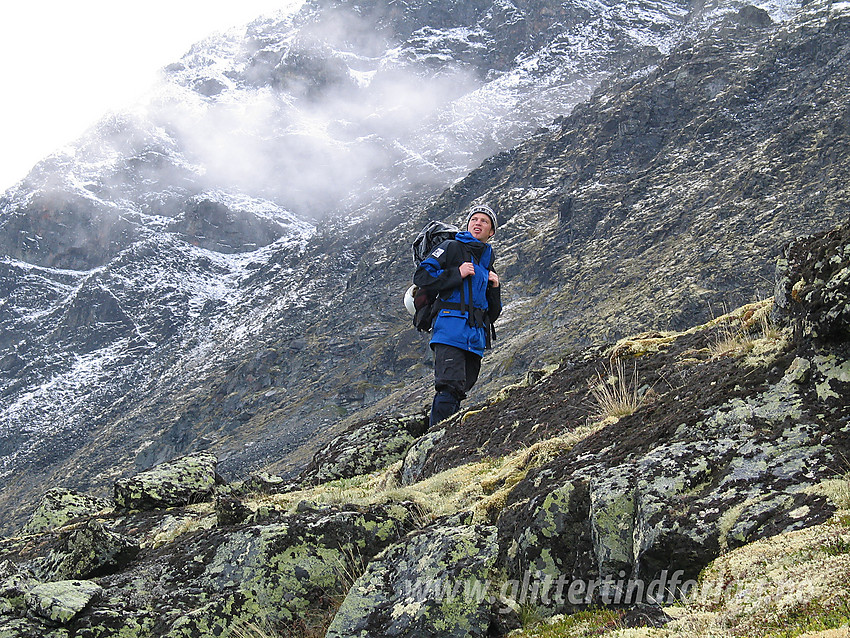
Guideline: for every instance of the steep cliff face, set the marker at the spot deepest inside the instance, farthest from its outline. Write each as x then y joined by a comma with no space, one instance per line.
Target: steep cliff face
169,292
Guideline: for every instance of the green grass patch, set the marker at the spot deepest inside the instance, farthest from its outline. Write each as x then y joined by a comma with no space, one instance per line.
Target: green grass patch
807,617
592,622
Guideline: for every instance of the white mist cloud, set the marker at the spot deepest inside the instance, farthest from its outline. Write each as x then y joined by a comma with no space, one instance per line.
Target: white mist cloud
330,113
65,64
319,113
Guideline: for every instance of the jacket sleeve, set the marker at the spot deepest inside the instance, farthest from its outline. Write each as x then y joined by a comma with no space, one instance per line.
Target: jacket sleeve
438,271
494,303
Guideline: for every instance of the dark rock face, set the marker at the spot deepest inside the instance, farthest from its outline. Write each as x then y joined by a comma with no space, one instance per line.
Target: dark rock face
59,231
214,226
813,286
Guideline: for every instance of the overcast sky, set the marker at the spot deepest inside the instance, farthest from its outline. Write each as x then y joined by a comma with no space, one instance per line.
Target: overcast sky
65,63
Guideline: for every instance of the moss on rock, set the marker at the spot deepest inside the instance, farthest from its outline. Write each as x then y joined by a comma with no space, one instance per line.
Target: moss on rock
86,551
60,506
189,479
61,601
432,583
284,569
365,448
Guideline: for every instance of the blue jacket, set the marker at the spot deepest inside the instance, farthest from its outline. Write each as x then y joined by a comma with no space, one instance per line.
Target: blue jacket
462,320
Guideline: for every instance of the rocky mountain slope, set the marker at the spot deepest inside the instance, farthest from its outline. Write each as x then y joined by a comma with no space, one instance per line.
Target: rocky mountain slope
195,248
704,467
221,270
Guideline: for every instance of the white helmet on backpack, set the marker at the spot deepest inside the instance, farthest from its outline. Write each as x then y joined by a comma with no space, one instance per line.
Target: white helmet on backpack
408,300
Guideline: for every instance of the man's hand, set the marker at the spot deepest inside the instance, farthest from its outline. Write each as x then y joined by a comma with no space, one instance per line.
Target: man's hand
494,279
466,269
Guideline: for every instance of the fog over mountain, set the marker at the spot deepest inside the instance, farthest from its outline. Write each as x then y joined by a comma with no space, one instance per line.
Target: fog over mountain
221,267
323,110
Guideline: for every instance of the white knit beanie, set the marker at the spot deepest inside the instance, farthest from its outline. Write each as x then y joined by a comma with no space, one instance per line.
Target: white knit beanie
481,208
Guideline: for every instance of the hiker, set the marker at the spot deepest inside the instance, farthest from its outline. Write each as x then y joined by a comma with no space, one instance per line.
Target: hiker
469,301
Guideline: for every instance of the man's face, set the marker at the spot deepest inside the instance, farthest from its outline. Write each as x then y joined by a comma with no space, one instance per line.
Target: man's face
480,227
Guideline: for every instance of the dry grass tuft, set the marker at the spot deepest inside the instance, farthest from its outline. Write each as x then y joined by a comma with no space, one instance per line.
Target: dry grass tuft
481,487
614,395
747,330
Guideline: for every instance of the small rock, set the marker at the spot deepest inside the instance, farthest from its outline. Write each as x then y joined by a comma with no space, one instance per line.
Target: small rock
231,511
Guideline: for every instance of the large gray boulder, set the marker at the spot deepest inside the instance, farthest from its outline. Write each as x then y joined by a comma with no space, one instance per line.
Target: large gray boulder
29,607
433,583
60,506
61,601
189,479
85,551
417,455
75,552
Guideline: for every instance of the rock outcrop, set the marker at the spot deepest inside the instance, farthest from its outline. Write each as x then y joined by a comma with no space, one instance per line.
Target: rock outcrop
117,573
433,583
365,447
60,506
813,286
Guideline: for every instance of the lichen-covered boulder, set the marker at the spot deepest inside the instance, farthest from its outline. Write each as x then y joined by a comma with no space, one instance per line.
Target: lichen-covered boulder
60,506
432,583
61,601
365,448
13,627
555,536
190,479
813,285
86,551
79,551
729,454
417,455
13,588
208,581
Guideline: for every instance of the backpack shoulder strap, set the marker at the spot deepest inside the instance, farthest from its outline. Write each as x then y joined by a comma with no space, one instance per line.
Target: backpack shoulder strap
492,257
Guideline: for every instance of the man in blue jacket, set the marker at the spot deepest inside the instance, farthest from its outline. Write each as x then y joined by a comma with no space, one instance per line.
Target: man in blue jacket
469,301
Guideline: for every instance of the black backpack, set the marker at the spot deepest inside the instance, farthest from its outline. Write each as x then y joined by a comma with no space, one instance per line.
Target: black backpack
434,234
